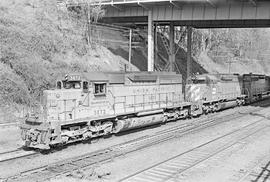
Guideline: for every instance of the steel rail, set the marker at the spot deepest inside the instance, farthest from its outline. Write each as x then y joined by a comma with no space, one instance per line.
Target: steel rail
66,167
253,175
171,129
16,154
170,169
8,125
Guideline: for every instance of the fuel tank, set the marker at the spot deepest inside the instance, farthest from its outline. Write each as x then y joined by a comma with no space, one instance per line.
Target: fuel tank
228,104
138,122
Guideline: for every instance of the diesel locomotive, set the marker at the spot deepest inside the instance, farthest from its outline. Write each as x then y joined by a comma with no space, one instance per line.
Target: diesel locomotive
214,92
89,105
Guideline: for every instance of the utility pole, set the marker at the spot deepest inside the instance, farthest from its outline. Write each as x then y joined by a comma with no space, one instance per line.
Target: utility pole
172,47
150,49
88,24
155,42
230,62
189,49
130,48
210,39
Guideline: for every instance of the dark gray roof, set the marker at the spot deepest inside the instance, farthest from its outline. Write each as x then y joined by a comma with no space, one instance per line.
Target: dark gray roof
119,77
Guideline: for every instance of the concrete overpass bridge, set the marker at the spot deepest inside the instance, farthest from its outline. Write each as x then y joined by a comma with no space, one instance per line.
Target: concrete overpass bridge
195,13
191,13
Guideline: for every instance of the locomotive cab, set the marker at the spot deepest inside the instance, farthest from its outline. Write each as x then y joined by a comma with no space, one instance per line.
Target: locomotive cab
59,106
200,79
72,82
69,94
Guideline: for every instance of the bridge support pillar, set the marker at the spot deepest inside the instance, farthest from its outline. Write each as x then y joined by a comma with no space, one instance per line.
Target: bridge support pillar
155,44
172,47
150,58
189,49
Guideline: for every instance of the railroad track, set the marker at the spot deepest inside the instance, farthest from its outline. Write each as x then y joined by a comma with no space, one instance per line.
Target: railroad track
15,154
8,125
259,173
20,153
170,170
85,161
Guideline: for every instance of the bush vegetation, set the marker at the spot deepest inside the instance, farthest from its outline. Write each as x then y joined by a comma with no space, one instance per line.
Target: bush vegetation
38,42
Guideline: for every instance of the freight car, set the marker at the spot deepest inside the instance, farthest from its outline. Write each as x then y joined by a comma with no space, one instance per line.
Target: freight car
95,104
214,92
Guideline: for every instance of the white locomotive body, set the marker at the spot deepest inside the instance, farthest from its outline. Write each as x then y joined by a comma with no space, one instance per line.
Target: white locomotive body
89,105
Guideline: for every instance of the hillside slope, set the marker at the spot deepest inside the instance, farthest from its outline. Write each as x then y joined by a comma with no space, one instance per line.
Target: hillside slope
233,65
35,48
38,42
205,62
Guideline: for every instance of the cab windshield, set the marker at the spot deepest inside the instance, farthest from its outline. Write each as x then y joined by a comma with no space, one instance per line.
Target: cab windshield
72,84
198,81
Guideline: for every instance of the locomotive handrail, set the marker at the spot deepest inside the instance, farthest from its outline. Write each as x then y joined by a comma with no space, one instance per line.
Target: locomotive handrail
113,105
162,98
87,96
158,101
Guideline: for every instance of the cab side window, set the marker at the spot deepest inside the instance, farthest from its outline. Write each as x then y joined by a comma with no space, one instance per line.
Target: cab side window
85,86
100,89
58,85
76,85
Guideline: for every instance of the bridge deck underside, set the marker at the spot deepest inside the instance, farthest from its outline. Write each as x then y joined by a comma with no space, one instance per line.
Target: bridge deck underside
198,15
193,23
